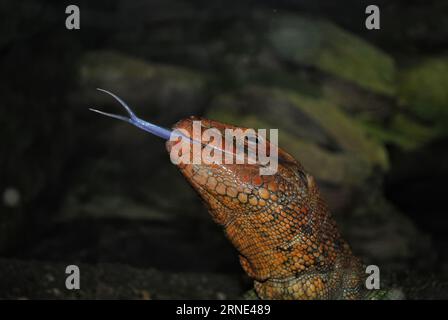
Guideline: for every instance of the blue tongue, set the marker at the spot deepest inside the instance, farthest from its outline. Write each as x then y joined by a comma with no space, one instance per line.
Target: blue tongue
134,120
144,125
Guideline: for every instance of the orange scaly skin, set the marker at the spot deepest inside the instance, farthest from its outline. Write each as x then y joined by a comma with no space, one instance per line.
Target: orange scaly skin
285,236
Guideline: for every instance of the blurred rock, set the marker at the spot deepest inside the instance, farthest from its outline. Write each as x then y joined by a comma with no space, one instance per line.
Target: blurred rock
422,91
162,92
175,245
384,236
11,197
133,176
321,44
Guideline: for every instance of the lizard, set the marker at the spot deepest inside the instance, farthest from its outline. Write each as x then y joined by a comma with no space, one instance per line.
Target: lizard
287,240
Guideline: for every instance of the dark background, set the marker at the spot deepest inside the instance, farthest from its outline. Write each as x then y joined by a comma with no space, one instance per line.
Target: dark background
366,112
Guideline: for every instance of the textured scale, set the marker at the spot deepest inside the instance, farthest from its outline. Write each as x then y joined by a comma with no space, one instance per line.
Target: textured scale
283,231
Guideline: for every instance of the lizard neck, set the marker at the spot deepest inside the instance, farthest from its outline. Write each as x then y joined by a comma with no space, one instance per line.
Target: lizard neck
343,282
296,254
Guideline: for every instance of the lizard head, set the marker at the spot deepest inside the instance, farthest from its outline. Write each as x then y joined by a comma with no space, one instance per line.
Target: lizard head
228,188
233,189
